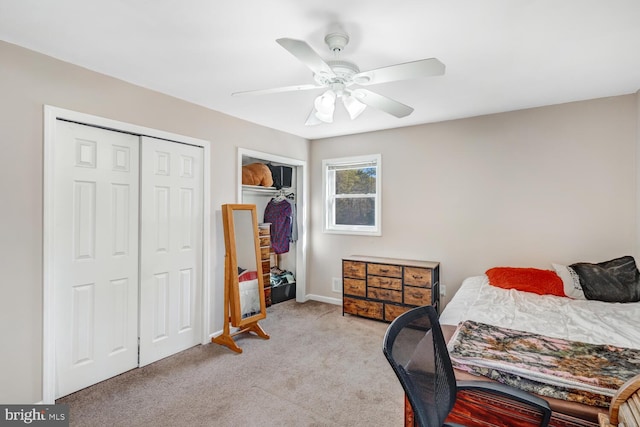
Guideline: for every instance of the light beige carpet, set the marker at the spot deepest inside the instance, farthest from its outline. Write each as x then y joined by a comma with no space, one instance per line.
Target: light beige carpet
318,369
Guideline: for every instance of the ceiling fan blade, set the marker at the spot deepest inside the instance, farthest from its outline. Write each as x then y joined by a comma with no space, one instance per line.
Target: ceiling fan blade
406,71
278,89
382,103
307,55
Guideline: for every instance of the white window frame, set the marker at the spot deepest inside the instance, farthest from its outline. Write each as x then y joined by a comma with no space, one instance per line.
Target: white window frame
328,185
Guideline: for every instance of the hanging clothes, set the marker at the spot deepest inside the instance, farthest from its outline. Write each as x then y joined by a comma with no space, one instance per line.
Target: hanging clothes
294,220
278,213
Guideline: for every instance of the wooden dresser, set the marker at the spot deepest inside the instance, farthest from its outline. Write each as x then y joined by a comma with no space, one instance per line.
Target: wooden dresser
264,233
384,288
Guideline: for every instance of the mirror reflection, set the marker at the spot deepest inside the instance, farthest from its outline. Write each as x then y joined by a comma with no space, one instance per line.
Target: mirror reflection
248,282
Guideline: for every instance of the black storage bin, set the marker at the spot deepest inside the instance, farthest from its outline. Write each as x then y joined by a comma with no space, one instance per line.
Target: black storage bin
281,176
283,292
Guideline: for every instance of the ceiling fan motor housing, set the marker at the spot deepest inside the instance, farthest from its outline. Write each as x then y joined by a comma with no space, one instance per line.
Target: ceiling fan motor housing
343,74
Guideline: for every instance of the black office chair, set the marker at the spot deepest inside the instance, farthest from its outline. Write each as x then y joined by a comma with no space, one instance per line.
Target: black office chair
417,352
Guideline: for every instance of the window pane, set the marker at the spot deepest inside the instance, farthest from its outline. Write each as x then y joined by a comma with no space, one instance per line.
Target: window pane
360,211
352,195
356,181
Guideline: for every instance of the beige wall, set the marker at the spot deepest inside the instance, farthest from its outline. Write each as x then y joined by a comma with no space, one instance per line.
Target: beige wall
525,188
28,81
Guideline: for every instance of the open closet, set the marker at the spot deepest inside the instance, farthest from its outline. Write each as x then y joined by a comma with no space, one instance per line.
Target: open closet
279,204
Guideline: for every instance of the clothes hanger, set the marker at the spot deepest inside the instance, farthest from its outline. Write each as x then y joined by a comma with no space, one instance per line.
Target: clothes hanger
280,196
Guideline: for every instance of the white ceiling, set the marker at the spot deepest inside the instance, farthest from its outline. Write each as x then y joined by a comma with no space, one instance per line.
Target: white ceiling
500,55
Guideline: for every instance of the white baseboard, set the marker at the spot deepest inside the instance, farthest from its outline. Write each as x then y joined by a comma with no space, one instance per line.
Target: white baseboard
215,334
328,300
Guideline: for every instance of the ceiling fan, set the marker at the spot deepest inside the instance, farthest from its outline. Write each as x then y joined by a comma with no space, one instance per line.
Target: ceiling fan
342,78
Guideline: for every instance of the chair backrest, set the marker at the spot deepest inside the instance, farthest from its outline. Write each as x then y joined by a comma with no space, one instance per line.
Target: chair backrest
417,352
625,404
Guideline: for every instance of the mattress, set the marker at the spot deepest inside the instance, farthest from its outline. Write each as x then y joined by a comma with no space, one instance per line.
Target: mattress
594,322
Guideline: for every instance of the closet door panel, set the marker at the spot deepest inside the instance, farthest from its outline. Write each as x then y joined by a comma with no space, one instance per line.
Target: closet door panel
171,248
96,255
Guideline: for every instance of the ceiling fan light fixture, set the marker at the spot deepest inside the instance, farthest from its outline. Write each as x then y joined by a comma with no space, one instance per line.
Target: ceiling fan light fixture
324,117
353,106
313,120
325,105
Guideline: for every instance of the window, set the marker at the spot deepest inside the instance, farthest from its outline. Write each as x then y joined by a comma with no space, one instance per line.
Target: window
352,195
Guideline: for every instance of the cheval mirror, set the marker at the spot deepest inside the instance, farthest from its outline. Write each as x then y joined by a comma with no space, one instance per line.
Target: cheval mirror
244,303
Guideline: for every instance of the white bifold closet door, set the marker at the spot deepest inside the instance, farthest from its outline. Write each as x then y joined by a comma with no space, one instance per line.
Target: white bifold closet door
171,248
96,255
128,252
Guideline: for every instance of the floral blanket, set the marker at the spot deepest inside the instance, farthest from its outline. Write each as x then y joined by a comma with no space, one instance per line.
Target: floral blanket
552,367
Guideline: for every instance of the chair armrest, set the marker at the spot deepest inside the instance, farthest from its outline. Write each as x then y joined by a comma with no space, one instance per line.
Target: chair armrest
624,392
510,393
603,420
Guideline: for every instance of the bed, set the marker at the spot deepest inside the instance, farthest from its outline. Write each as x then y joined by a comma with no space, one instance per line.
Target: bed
599,324
249,292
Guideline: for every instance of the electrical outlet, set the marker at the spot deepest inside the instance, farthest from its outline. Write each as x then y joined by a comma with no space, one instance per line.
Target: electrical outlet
443,290
336,284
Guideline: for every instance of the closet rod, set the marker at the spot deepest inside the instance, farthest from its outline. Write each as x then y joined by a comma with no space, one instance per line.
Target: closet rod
259,189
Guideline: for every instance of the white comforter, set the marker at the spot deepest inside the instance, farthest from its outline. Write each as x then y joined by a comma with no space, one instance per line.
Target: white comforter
588,321
249,297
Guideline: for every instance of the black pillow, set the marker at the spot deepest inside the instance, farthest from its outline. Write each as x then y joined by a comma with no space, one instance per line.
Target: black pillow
617,280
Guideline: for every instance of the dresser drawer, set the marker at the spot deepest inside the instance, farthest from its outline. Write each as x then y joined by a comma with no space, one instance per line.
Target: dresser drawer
392,311
417,296
266,266
384,282
354,287
265,241
359,307
264,229
355,269
385,270
416,276
384,294
264,253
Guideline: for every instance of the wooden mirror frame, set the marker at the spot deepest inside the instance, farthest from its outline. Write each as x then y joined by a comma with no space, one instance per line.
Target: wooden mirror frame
232,300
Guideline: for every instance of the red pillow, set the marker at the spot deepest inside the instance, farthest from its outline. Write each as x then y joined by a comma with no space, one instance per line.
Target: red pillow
541,282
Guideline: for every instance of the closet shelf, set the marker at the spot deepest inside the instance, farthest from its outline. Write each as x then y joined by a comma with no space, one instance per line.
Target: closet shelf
261,189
